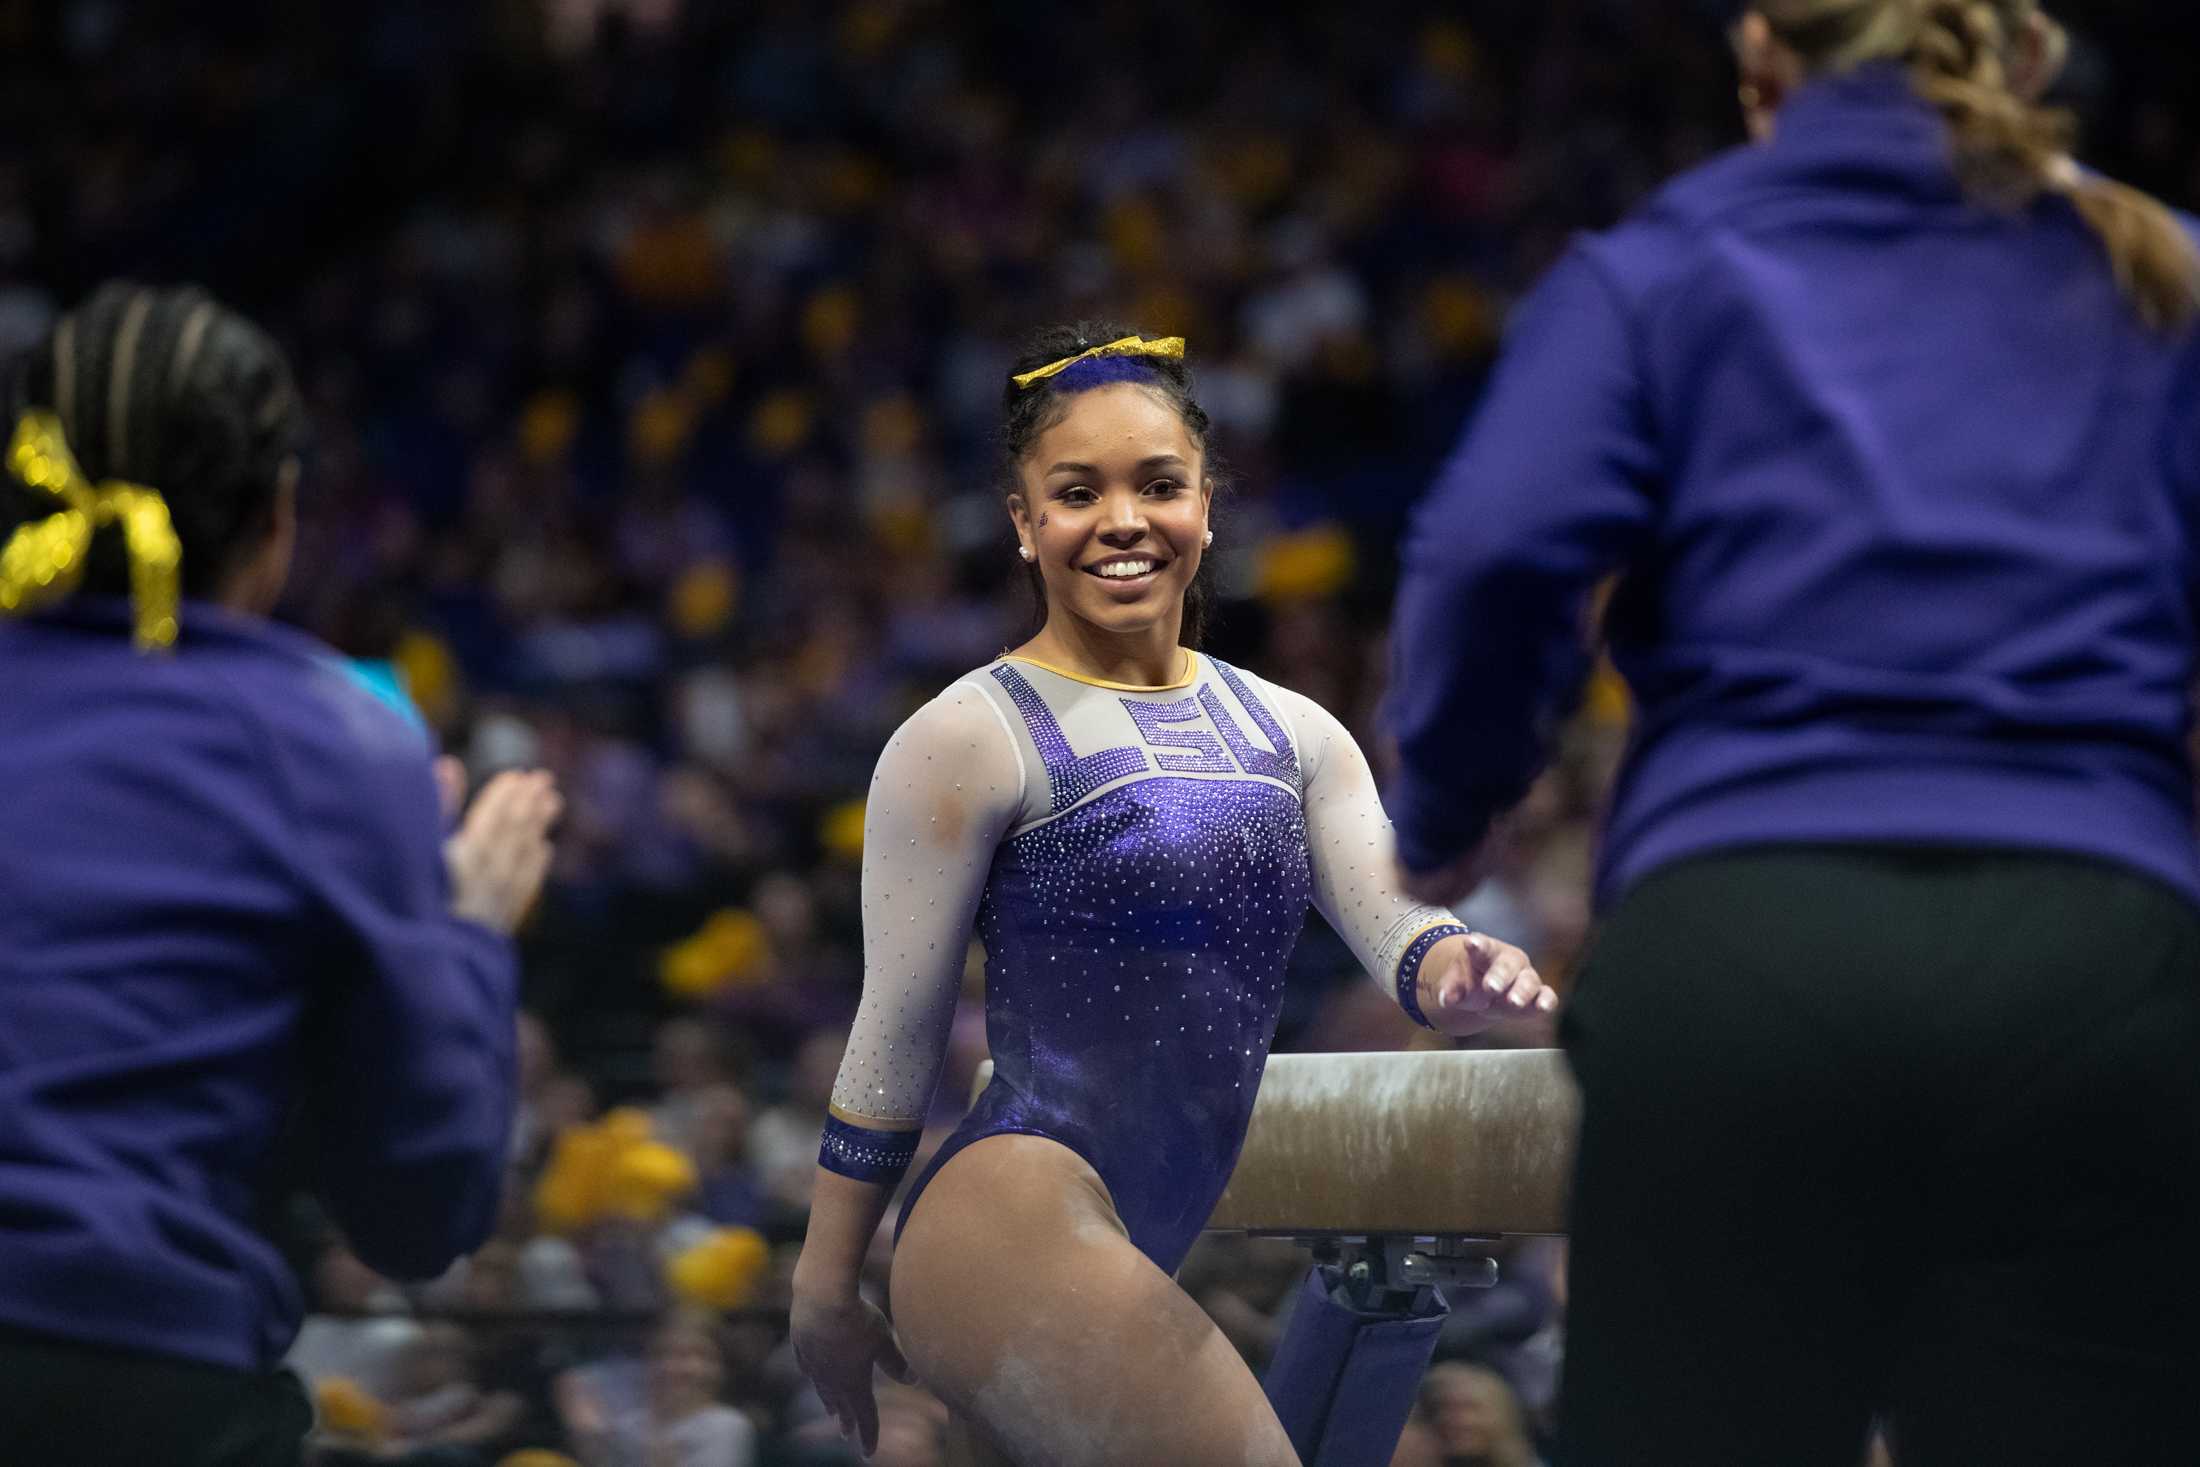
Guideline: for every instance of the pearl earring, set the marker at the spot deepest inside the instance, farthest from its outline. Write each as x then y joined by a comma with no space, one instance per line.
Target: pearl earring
1210,538
1025,552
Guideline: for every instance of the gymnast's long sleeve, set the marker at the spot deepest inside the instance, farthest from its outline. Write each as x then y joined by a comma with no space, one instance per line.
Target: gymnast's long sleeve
1349,842
945,791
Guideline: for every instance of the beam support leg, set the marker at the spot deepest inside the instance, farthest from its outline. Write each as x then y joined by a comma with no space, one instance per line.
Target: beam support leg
1346,1373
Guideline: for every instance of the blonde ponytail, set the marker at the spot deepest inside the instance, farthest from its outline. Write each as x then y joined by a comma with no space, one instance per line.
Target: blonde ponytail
2008,150
2154,258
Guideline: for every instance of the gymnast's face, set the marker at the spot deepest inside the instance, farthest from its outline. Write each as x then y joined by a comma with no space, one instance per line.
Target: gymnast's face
1112,502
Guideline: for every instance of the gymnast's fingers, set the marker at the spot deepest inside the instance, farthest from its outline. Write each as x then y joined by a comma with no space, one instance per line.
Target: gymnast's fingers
865,1405
832,1400
1526,989
1456,988
840,1388
1507,963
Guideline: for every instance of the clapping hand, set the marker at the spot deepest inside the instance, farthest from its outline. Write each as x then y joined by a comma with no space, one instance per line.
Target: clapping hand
500,853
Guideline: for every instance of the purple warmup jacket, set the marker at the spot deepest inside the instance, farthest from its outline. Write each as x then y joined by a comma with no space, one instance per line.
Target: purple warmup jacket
1892,480
222,898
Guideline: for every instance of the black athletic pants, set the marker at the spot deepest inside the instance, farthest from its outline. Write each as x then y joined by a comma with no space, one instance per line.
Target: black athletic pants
1902,1134
68,1405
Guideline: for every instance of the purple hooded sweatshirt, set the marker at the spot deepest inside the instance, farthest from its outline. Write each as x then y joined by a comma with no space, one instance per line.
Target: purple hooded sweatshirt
224,911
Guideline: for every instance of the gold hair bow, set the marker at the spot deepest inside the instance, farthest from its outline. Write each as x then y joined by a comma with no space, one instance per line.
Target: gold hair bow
1129,346
43,561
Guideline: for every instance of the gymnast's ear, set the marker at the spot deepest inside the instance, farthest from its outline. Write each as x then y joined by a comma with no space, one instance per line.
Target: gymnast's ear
1019,519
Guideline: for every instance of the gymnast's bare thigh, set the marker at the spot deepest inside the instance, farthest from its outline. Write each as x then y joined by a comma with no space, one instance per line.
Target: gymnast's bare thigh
1019,1298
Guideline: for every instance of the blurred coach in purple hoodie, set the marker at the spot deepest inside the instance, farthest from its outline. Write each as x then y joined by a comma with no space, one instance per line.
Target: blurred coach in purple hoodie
1890,1038
224,893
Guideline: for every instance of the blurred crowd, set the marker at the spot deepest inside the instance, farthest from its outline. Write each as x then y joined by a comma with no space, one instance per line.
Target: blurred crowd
653,350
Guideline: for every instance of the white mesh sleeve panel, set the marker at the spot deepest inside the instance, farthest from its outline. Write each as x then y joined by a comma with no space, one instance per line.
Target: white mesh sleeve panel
945,790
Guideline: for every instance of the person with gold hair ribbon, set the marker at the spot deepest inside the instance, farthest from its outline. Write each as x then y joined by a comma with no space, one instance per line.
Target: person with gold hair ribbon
226,898
1169,347
43,560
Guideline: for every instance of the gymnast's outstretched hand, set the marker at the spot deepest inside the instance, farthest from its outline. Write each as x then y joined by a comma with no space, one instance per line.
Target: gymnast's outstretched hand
836,1342
1473,981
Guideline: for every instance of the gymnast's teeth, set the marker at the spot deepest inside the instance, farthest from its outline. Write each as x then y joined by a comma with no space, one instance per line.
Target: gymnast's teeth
1124,569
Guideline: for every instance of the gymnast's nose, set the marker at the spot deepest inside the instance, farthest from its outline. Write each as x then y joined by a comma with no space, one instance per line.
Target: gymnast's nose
1123,520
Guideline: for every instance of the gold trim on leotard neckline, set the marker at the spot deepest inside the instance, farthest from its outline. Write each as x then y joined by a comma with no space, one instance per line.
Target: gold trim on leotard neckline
1191,674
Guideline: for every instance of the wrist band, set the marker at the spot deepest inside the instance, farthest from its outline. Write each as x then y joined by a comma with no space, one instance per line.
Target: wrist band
1409,968
866,1155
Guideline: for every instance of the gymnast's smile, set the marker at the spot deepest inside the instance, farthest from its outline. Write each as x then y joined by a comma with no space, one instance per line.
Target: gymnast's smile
1113,507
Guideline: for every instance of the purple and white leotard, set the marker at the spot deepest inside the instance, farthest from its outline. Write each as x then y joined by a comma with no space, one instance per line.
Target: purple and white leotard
1137,862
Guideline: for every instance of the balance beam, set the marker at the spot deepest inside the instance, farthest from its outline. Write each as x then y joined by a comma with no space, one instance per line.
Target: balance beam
1419,1144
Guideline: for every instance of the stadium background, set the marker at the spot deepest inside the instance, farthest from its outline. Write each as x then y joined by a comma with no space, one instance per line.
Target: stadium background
653,350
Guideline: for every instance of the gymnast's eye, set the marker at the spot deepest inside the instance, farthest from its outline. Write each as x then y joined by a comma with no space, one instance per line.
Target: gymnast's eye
1165,488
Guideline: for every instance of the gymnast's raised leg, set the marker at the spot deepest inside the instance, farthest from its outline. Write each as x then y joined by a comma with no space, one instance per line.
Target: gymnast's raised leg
1020,1299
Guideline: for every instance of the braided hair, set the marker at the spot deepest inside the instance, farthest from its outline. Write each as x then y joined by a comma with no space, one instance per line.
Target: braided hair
1028,412
167,388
